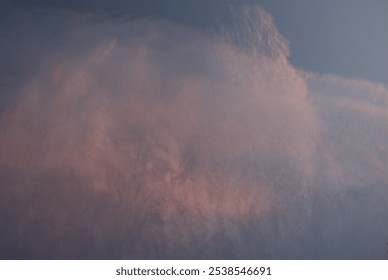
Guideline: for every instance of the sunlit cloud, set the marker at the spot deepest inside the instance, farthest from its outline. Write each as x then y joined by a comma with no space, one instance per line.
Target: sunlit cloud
145,139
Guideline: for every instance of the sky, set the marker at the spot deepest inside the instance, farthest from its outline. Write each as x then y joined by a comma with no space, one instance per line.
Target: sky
346,37
193,129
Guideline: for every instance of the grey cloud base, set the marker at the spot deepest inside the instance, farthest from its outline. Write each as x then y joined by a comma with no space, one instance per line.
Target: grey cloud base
139,139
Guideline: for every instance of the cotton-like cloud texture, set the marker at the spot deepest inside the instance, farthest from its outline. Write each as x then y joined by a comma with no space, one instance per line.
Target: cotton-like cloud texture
127,138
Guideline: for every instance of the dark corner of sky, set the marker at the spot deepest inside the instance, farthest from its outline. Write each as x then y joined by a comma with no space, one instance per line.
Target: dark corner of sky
193,13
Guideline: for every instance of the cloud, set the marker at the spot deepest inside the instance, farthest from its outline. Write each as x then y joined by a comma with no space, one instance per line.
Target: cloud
353,114
144,139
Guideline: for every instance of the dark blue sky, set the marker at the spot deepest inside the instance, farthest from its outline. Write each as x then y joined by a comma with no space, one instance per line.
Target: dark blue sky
347,37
